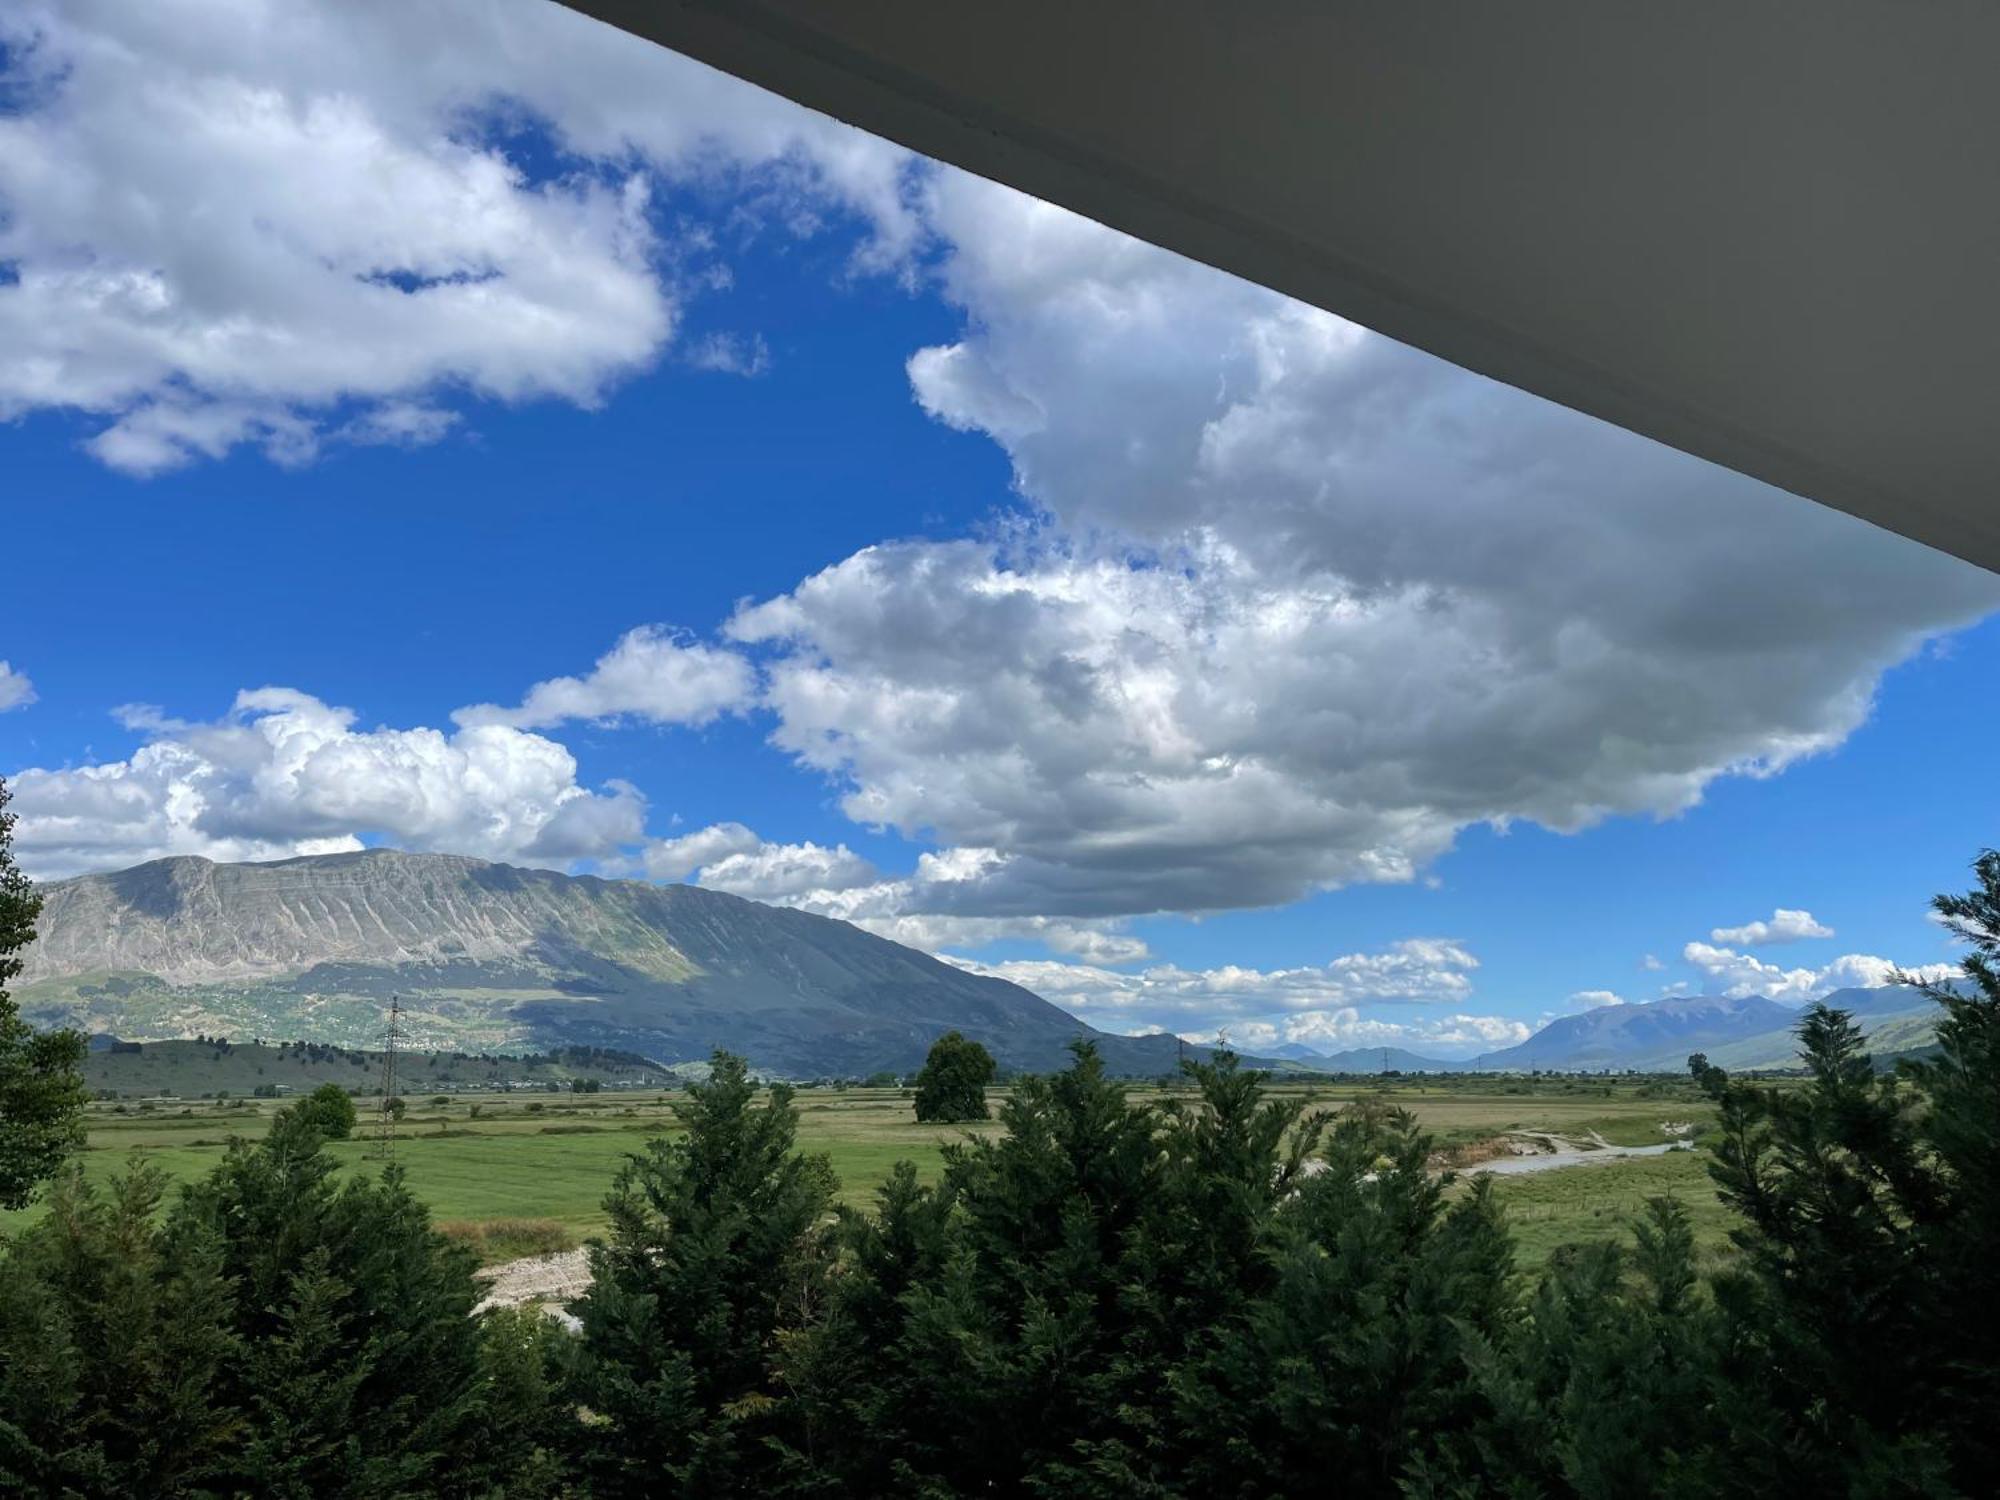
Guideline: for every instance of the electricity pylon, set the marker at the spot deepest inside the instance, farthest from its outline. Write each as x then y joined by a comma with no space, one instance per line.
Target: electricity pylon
385,1130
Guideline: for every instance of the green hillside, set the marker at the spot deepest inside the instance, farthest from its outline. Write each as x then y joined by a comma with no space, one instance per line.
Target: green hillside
1898,1031
214,1067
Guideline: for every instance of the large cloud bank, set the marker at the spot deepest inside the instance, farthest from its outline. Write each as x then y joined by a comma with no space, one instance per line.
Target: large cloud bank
283,773
1298,604
1280,605
238,221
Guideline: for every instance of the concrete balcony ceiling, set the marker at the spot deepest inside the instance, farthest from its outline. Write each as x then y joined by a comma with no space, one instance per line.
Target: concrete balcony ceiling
1768,234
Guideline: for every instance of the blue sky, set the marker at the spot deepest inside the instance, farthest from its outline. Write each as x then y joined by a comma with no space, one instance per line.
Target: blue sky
1014,589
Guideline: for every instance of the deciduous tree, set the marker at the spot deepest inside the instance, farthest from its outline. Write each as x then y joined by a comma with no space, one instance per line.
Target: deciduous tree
330,1110
951,1089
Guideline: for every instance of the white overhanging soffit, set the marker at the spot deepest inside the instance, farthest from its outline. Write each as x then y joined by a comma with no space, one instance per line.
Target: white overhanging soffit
1767,234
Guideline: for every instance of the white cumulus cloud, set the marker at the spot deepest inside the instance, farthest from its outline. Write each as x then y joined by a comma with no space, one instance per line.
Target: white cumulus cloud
679,857
651,675
16,691
284,773
1785,926
1333,1031
250,222
1295,605
1595,999
782,872
1729,972
1422,971
835,882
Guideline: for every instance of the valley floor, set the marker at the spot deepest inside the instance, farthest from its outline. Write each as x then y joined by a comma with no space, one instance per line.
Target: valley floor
519,1175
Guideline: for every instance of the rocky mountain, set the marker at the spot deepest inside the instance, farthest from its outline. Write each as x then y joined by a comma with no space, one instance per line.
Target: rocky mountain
1655,1036
490,958
1659,1035
487,957
1741,1033
1894,1018
1877,1004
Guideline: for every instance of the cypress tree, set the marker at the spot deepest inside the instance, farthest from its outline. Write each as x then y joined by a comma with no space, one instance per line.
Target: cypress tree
364,1370
1871,1205
716,1244
1960,1132
1609,1384
1835,1197
114,1341
41,1083
1351,1361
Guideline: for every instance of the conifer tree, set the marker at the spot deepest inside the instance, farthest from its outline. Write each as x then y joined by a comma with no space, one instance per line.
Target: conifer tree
270,1334
1229,1159
1024,1329
355,1315
1960,1132
527,1427
716,1244
862,1388
41,1083
114,1339
1871,1238
1352,1362
1610,1384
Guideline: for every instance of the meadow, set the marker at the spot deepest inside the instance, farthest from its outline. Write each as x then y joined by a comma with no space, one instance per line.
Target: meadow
516,1172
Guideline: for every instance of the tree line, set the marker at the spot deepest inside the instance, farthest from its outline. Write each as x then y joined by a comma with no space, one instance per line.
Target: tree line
1224,1293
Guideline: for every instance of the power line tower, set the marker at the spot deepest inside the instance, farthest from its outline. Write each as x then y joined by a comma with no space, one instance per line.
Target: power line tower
385,1130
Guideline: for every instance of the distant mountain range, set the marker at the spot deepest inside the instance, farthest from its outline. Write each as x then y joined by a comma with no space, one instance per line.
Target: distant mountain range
1368,1060
1658,1036
490,958
1895,1019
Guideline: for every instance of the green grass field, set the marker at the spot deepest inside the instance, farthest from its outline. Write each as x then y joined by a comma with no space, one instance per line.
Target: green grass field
1573,1205
481,1159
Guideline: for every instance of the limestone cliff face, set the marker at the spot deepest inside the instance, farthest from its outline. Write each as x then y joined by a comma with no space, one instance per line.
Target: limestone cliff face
191,921
494,957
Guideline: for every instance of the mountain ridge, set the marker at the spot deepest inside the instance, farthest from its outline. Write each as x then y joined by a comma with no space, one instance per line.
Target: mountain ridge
1740,1032
1645,1036
1374,1060
491,956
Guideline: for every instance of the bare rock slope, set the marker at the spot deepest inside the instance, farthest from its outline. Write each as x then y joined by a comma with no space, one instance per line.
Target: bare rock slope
491,957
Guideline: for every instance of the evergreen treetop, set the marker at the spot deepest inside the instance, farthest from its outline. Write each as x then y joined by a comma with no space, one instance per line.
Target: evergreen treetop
41,1079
